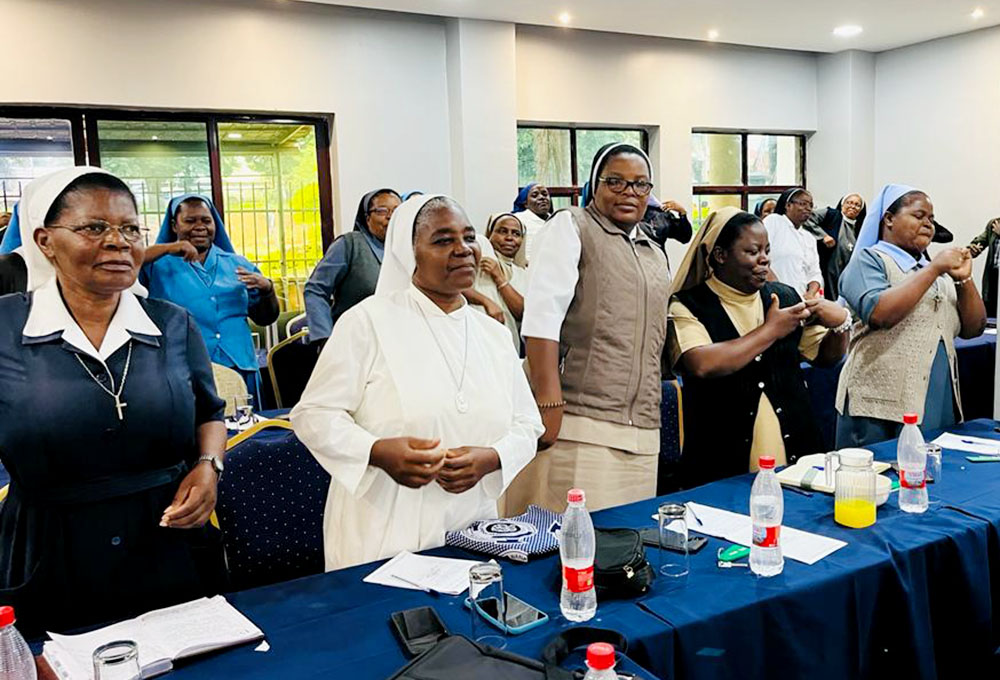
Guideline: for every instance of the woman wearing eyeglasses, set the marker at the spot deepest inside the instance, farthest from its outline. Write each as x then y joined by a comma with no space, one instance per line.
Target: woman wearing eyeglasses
595,320
208,278
794,258
347,273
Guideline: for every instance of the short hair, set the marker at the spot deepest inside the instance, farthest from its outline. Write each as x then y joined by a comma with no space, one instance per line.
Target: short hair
734,228
434,205
88,182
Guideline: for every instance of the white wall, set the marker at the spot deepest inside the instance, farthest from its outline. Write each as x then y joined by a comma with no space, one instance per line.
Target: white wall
383,75
937,127
670,85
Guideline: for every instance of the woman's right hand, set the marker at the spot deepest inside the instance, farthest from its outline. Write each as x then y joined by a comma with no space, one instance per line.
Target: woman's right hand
786,320
951,260
184,250
552,420
409,461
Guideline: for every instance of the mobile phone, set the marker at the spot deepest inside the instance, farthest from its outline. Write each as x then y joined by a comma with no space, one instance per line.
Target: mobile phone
651,537
519,615
418,629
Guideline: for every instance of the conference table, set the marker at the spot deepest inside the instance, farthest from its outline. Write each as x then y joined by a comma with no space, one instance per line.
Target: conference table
912,596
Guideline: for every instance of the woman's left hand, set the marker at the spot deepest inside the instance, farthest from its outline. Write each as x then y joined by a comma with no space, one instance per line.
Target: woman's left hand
828,312
492,267
964,270
194,501
254,280
465,466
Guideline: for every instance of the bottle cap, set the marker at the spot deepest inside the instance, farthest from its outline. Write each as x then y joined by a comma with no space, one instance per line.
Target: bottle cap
766,462
575,496
910,418
6,616
600,656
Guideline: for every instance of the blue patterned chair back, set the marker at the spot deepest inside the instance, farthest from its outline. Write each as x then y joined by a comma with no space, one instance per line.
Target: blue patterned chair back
270,509
670,438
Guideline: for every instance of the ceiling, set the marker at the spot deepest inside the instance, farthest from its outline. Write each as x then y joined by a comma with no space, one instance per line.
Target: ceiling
786,24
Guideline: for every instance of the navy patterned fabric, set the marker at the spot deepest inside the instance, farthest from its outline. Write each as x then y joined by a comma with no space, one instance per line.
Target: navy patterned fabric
271,502
530,534
670,438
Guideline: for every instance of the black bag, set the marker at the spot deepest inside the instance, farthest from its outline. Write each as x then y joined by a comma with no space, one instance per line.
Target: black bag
620,566
457,657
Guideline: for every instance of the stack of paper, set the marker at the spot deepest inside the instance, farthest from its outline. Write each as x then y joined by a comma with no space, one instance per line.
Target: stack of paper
162,636
801,546
424,572
965,442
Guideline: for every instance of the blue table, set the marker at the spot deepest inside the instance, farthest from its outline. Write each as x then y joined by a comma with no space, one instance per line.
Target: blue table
913,596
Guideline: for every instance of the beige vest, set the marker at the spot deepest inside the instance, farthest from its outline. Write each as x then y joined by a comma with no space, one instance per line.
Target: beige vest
887,370
612,338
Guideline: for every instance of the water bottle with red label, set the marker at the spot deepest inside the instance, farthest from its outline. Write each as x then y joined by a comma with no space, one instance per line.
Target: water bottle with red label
577,546
767,506
912,460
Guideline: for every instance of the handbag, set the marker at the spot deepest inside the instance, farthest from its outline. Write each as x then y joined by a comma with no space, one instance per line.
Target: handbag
620,566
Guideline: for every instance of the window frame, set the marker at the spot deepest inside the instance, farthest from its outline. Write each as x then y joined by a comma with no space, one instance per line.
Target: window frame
745,189
86,141
573,192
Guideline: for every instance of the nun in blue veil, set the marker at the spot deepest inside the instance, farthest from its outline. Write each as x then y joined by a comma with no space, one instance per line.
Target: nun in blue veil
13,269
908,310
193,264
533,207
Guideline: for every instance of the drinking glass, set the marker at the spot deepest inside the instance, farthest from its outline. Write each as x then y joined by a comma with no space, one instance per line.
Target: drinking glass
933,452
118,660
486,594
673,543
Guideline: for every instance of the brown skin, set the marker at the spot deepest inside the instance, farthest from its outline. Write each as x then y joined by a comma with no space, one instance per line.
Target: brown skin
745,266
625,210
798,210
507,236
378,222
851,207
447,256
912,229
976,249
539,201
506,239
91,277
767,208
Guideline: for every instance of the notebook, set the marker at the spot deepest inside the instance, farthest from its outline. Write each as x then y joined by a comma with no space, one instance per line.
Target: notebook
162,635
809,473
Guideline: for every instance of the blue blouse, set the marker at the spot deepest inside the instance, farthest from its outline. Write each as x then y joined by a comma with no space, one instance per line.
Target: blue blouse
216,298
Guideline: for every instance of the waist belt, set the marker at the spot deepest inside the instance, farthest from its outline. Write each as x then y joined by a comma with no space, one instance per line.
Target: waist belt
103,489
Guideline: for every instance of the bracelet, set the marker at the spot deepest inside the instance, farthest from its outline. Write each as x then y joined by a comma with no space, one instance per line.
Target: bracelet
501,286
551,404
845,325
963,281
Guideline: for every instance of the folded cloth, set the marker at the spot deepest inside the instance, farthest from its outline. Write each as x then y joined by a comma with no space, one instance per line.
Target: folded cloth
531,534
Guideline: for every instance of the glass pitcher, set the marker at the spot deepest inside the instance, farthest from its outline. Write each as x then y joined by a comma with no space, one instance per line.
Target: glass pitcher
854,499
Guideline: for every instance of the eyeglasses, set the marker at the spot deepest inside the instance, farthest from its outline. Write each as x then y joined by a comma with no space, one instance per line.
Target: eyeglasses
98,231
381,212
618,185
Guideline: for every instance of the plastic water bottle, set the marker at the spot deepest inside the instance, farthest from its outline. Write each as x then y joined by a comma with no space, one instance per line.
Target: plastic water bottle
912,462
600,662
16,660
767,506
577,546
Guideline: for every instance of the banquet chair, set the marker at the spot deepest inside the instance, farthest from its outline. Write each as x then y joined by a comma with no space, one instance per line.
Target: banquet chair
230,386
295,324
270,506
671,439
290,364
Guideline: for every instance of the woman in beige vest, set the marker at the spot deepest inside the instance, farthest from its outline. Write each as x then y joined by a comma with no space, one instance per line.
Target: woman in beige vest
910,308
595,321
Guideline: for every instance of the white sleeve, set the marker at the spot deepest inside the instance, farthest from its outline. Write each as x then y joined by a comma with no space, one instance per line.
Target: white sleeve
323,418
518,446
813,272
552,276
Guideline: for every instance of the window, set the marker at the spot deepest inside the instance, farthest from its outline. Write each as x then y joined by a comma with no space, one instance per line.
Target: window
560,157
269,177
740,169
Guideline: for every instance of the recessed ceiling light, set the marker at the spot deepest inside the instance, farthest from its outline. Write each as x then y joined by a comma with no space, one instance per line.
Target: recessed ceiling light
155,138
48,138
978,13
234,135
713,34
847,31
565,18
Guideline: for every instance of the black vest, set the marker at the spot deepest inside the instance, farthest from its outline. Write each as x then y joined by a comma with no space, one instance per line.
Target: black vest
361,276
719,413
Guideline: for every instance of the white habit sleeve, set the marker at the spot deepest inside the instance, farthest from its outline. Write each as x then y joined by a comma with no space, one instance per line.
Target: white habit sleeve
552,275
322,419
518,446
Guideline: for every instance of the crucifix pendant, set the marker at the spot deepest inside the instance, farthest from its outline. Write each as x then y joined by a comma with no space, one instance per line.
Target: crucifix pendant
119,405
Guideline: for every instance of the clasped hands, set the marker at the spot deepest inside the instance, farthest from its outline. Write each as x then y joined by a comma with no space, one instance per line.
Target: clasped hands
414,463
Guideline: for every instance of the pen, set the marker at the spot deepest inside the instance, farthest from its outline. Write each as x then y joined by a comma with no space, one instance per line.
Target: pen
801,492
691,510
429,591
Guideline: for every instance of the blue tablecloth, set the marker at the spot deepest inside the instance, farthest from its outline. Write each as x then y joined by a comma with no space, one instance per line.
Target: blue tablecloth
914,595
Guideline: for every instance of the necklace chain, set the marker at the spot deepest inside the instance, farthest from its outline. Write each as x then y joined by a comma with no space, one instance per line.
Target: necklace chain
115,394
458,382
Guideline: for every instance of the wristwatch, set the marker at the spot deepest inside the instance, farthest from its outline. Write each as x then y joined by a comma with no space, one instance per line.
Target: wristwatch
216,464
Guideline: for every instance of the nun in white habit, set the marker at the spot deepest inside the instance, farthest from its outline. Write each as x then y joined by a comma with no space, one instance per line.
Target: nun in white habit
418,407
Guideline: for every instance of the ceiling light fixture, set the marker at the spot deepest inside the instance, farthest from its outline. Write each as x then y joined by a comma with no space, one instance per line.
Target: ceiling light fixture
155,138
565,18
234,135
847,31
978,13
48,138
713,34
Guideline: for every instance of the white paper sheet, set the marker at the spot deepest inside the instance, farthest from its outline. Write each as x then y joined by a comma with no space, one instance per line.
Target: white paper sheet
965,442
801,546
418,572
